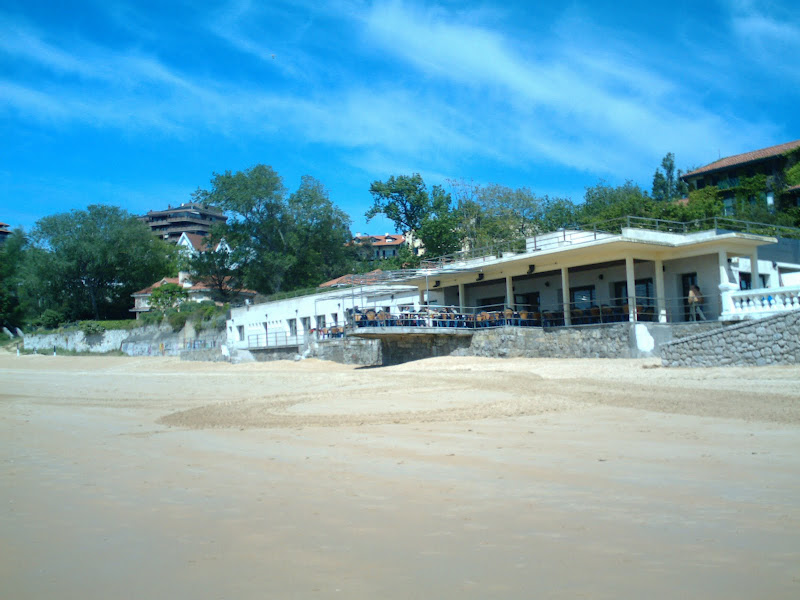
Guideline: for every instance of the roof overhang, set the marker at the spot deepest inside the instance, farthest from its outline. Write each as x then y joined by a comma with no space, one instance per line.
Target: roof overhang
637,244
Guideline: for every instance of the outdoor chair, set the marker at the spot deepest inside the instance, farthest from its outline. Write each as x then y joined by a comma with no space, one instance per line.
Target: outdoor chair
607,313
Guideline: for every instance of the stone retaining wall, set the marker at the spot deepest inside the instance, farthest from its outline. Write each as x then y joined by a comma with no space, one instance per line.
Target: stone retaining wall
151,340
405,348
348,351
602,341
770,341
76,341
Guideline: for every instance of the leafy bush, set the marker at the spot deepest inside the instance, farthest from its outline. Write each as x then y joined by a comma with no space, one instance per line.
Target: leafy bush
177,320
91,328
152,317
49,319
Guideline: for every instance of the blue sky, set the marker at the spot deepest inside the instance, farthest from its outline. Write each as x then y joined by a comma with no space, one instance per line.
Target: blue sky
137,103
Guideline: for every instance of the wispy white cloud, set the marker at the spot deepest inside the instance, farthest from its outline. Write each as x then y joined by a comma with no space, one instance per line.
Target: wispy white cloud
461,92
568,103
770,35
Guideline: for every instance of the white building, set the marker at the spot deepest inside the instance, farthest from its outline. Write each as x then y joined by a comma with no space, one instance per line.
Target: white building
641,272
290,321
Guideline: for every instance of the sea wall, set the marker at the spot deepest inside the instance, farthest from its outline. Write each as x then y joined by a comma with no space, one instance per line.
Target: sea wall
150,340
405,348
75,341
348,351
771,341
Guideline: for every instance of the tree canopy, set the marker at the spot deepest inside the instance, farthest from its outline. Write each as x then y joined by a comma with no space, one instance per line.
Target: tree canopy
404,199
87,263
280,242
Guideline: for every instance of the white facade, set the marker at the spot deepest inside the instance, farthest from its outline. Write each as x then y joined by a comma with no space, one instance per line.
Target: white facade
290,321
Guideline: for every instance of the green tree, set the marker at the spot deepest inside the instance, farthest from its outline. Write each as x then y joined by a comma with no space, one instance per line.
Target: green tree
603,202
255,200
279,243
667,183
557,213
12,255
318,236
439,231
220,270
406,202
169,295
403,200
87,263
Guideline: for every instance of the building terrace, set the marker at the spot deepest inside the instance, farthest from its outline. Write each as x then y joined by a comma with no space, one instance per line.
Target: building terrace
629,270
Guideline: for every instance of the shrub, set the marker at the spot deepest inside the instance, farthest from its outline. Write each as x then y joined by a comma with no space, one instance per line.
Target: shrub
177,320
152,317
91,328
49,319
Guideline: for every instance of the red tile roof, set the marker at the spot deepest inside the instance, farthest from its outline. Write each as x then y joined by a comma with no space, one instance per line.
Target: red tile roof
747,157
199,242
382,240
195,287
354,279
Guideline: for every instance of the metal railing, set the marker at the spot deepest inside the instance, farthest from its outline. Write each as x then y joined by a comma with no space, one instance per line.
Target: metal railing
617,310
277,339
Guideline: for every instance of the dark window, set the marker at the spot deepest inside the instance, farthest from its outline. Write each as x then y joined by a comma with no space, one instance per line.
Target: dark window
582,297
645,296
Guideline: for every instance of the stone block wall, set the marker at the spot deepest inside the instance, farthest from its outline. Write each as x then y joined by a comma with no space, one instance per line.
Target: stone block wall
348,351
771,341
603,341
405,348
76,341
151,340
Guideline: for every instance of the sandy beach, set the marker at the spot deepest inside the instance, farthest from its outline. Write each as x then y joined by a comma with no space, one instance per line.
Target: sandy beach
443,478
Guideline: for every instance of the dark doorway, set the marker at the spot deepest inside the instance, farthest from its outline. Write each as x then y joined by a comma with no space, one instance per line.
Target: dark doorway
687,281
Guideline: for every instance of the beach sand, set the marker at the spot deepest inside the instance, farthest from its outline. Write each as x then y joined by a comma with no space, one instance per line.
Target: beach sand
443,478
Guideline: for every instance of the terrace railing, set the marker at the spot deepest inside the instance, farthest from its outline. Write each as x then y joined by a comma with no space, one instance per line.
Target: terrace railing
749,304
277,339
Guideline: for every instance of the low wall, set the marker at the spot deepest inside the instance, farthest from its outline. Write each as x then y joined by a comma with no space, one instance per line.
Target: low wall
76,341
349,351
151,340
771,341
405,348
602,341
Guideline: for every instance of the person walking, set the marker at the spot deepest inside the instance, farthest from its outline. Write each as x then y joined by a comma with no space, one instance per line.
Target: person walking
695,301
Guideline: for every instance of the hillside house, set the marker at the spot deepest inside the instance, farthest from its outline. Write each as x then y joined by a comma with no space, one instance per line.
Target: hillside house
197,291
757,177
189,217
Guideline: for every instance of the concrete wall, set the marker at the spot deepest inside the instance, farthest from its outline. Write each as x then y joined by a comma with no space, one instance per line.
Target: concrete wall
151,340
349,351
771,341
272,318
405,348
76,341
603,341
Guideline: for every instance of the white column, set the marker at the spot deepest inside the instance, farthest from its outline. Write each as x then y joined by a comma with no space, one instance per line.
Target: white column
661,303
726,287
722,257
461,297
755,279
565,295
509,292
630,278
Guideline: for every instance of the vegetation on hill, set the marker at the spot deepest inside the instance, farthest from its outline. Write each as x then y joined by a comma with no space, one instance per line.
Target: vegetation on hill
85,264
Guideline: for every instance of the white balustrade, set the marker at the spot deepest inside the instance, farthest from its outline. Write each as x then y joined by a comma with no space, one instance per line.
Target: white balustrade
749,304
